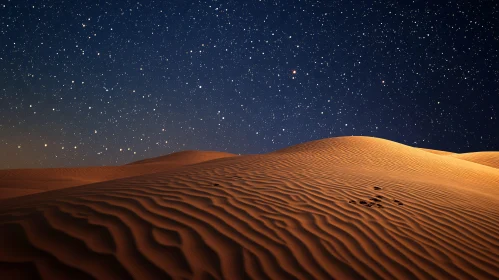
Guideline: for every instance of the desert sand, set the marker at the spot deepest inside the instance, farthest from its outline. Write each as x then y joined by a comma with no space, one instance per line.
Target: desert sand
337,208
17,182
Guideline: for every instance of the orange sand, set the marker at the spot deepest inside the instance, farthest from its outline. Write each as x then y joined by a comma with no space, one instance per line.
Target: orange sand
291,214
17,182
485,158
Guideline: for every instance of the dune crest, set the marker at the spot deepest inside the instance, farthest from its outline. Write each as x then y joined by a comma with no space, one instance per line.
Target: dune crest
185,157
338,208
18,182
438,152
485,158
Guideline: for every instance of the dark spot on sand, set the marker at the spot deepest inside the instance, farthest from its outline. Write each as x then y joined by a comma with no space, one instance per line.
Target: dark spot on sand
377,188
398,202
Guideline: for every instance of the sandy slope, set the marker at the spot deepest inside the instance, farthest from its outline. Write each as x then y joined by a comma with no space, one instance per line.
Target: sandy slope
291,214
185,157
485,158
438,152
17,182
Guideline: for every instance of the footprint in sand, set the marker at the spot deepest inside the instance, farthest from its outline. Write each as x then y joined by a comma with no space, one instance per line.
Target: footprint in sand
398,202
377,188
366,203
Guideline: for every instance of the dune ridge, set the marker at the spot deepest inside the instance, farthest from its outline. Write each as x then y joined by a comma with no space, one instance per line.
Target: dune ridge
485,158
438,152
338,208
18,182
185,157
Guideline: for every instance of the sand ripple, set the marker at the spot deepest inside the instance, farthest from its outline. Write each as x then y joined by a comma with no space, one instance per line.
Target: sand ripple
307,212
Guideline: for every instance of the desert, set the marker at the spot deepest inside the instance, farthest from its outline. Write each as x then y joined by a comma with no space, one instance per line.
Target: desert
336,208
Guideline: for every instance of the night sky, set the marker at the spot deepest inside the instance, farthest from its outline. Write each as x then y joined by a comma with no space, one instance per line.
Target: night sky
109,82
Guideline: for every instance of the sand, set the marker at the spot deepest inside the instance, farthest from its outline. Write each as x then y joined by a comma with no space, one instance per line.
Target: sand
18,182
338,208
485,158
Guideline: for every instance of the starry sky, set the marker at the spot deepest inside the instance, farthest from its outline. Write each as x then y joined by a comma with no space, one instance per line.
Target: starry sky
110,82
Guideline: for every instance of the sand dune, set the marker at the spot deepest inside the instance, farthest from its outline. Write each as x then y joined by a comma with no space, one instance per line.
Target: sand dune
339,208
485,158
438,152
185,157
18,182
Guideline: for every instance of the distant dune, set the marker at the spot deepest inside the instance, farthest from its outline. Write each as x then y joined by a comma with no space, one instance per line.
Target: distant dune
185,157
438,152
338,208
485,158
18,182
